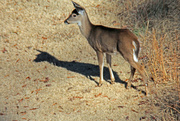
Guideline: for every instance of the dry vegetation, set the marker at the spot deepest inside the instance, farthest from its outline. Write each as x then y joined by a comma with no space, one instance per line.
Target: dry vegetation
48,70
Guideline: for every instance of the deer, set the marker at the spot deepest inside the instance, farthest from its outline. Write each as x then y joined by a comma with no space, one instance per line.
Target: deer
106,41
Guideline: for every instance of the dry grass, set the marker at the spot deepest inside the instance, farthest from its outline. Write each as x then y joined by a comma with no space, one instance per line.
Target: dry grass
161,46
160,40
30,25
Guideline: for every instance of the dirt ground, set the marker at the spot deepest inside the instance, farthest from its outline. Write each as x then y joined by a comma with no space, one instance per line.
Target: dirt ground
50,73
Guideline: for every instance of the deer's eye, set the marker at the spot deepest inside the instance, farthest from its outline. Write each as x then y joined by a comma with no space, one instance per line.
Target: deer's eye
74,15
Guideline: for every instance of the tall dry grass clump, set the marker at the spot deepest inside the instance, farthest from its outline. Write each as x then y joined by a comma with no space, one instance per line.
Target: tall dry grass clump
162,39
163,65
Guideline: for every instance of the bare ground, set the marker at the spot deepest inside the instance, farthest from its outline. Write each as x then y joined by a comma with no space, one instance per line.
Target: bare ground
49,72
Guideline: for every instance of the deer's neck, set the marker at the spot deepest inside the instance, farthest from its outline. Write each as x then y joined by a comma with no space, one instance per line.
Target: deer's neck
85,26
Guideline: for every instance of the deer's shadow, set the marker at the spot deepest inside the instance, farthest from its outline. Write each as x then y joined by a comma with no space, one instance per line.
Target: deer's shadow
85,69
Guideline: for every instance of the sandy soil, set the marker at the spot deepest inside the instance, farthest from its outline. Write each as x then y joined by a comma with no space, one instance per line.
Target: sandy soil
49,72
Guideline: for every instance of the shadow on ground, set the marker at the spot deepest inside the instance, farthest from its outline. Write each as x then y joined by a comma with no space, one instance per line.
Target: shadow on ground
85,69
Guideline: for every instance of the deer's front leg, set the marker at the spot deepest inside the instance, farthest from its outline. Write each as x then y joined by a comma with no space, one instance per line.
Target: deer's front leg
100,57
108,58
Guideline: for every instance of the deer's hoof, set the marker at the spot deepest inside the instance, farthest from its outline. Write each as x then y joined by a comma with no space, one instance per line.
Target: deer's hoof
128,86
147,94
100,84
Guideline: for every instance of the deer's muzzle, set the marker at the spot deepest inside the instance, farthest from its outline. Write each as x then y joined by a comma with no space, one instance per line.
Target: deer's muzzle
66,22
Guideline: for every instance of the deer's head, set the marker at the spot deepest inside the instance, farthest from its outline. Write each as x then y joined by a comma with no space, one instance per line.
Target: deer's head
77,15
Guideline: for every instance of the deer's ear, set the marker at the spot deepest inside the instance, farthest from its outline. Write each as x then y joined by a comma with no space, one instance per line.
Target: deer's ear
79,9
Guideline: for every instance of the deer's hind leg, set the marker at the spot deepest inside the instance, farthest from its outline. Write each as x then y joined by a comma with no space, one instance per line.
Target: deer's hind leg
130,57
141,70
131,77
